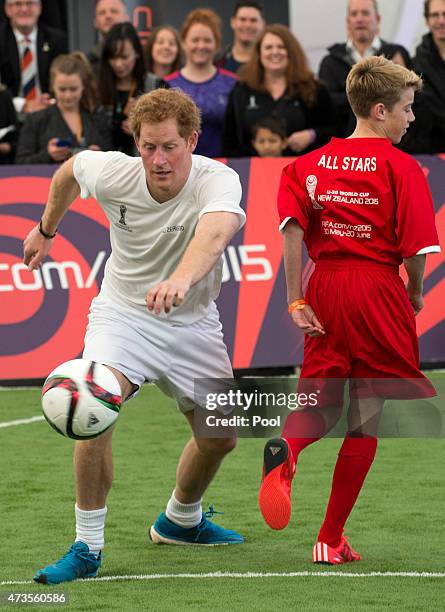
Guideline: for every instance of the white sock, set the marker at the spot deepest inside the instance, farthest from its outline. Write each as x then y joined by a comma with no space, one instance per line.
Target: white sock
184,515
90,528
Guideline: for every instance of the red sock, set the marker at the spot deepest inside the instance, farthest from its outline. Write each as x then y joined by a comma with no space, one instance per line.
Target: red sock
301,429
354,460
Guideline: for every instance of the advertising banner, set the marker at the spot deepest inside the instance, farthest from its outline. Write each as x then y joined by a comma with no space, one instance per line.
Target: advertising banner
43,314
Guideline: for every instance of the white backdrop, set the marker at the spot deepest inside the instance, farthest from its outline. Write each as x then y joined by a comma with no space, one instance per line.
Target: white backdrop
319,23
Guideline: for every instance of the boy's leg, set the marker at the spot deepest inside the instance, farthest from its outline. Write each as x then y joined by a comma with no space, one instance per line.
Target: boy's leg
302,428
355,458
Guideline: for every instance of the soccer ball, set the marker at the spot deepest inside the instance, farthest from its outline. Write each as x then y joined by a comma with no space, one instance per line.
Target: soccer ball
81,399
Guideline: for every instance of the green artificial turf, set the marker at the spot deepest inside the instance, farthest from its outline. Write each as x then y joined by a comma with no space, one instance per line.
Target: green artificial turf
397,524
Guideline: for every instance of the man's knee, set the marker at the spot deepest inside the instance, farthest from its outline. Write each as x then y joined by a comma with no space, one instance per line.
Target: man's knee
364,416
96,445
127,387
216,446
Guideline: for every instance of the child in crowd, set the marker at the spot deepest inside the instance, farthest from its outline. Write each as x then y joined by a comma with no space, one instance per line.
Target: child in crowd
269,137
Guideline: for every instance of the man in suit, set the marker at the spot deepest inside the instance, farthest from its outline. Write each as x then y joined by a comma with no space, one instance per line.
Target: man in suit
363,26
26,52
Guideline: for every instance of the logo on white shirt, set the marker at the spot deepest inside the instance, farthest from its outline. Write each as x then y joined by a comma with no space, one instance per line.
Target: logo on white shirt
122,223
173,228
123,211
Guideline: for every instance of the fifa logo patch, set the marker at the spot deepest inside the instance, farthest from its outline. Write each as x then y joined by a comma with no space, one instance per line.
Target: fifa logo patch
122,223
123,211
311,186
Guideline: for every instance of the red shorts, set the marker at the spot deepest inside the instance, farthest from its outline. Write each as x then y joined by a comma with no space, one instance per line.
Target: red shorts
370,328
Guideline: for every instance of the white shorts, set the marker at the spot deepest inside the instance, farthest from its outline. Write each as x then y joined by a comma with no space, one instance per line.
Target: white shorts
145,348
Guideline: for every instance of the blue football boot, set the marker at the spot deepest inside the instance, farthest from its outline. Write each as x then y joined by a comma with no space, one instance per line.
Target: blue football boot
78,562
206,533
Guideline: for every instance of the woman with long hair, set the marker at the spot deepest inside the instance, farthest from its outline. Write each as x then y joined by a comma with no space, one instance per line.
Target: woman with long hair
277,81
122,79
163,53
207,85
72,123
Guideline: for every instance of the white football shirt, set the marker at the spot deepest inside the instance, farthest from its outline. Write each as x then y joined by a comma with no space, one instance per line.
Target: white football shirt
148,238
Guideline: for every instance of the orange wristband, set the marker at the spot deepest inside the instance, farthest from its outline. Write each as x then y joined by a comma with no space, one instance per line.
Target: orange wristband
296,305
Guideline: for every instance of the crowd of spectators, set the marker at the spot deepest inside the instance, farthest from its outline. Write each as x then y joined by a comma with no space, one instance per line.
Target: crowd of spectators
277,81
257,96
73,122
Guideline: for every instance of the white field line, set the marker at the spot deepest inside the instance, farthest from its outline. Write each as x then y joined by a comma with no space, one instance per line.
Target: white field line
250,575
33,388
33,419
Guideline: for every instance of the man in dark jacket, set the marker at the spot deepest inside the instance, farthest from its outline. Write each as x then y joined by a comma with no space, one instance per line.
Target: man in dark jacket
363,25
21,39
429,61
247,23
8,127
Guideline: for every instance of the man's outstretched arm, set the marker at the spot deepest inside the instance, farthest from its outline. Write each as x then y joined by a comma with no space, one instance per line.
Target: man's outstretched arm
63,191
213,233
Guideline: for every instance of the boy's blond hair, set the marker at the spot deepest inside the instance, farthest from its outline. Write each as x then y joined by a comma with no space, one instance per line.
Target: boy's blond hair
162,104
377,79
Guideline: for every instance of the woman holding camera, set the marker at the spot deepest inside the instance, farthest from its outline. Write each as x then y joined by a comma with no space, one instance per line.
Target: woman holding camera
72,123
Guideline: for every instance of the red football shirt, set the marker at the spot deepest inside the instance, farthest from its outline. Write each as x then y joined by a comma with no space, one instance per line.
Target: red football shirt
359,198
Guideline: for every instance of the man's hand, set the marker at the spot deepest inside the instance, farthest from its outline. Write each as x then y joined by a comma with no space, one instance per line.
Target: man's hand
416,300
63,190
306,320
5,148
35,248
166,294
39,103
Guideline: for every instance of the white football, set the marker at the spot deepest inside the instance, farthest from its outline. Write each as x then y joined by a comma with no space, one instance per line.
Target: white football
81,399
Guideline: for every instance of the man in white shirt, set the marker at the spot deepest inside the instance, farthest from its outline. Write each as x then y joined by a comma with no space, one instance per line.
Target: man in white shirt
171,215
